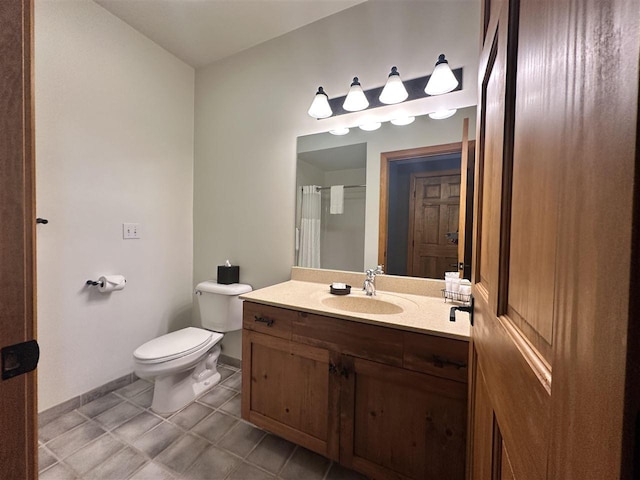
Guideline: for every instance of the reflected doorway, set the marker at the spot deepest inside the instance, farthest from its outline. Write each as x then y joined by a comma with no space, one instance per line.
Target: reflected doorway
421,197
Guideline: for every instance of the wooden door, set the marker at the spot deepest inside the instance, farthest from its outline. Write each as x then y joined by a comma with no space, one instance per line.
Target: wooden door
17,236
554,177
399,424
434,212
292,392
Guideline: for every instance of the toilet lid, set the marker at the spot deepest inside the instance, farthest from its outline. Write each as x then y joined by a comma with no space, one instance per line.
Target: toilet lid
175,344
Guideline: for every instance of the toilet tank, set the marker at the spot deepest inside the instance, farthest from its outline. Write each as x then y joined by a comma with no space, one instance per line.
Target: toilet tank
220,307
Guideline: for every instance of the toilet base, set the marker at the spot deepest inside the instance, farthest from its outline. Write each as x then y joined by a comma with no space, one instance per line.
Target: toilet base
176,391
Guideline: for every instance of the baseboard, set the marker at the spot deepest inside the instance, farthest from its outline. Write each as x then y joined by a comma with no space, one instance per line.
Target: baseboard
54,412
233,362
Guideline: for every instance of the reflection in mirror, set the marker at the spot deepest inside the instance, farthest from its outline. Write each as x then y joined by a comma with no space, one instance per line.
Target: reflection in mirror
331,194
370,217
424,196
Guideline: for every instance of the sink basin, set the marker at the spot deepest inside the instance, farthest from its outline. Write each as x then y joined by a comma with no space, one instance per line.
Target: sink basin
370,305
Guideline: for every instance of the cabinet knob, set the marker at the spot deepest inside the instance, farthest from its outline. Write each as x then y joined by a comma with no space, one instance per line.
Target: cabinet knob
344,372
332,368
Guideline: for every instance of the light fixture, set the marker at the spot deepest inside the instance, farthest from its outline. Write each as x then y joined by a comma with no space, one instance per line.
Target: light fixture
320,106
370,127
442,114
356,99
400,121
442,79
339,131
393,91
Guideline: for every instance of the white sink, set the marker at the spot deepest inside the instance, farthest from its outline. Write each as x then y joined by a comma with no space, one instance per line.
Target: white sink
367,305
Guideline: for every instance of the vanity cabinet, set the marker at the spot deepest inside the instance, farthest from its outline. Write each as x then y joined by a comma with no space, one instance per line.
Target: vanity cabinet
388,403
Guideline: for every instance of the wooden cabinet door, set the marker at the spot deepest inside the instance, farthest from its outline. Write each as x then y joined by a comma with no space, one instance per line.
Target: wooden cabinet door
399,424
288,389
553,180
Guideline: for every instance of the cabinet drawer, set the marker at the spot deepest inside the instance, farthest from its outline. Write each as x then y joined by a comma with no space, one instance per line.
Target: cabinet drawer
353,338
267,319
439,356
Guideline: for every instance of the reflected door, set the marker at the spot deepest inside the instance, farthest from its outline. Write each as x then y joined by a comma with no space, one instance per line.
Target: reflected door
433,224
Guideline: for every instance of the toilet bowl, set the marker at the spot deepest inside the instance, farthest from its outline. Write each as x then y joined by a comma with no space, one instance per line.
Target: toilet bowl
183,364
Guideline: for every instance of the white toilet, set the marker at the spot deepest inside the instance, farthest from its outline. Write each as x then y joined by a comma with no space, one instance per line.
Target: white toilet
183,363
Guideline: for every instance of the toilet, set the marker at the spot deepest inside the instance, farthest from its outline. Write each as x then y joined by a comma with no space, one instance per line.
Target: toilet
183,364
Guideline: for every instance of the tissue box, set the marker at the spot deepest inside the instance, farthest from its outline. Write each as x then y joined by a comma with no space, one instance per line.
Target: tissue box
227,275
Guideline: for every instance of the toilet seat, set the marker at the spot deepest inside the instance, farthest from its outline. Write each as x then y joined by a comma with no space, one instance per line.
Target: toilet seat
174,345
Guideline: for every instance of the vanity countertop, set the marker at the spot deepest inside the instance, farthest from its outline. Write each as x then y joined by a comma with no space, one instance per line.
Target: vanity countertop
421,313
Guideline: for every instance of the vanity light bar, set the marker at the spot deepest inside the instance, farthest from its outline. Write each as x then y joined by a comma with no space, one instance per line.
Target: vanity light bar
415,90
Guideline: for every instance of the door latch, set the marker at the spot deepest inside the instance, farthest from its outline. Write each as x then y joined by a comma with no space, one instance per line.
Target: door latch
19,358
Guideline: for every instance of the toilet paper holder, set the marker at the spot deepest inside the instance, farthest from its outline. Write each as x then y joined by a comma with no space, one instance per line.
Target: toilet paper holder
93,283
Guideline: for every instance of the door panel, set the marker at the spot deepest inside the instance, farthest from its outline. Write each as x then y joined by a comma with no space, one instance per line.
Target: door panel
434,212
535,195
557,155
489,173
17,236
514,383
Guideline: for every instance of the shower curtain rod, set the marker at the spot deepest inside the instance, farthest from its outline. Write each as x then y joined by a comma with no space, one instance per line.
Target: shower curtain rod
346,186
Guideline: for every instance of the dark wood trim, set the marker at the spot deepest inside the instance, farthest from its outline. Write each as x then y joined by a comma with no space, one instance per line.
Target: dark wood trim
464,171
631,420
18,419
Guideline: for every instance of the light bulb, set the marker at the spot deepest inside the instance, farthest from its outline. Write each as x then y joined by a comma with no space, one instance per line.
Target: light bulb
339,131
442,79
370,127
403,121
320,106
356,99
442,114
394,90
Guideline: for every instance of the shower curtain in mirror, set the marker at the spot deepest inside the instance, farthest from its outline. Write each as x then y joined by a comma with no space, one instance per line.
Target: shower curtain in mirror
309,255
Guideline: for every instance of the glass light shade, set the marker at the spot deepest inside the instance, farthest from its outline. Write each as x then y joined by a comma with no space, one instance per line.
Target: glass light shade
320,106
339,131
442,114
393,91
356,99
442,79
370,127
403,121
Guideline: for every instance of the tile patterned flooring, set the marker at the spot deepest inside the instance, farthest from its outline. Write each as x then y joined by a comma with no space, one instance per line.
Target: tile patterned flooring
118,437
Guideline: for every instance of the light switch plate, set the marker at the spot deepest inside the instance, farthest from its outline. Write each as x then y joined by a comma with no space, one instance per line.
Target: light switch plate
130,231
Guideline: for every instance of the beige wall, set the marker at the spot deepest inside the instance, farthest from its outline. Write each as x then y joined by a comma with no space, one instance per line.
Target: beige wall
251,107
114,144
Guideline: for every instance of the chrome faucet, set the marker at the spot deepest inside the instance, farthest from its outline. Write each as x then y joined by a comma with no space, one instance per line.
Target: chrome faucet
369,282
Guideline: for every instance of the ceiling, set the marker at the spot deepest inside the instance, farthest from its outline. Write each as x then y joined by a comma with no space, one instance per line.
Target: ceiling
337,158
200,32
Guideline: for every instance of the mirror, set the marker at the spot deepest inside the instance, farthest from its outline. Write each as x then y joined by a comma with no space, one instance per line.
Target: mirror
416,160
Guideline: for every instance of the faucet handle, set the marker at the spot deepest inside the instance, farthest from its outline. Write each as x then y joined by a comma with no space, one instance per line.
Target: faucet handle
379,270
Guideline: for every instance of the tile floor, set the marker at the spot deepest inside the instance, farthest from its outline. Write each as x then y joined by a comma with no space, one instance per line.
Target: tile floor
118,437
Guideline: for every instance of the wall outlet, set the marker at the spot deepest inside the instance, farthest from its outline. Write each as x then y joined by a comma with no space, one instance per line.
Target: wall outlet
130,230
